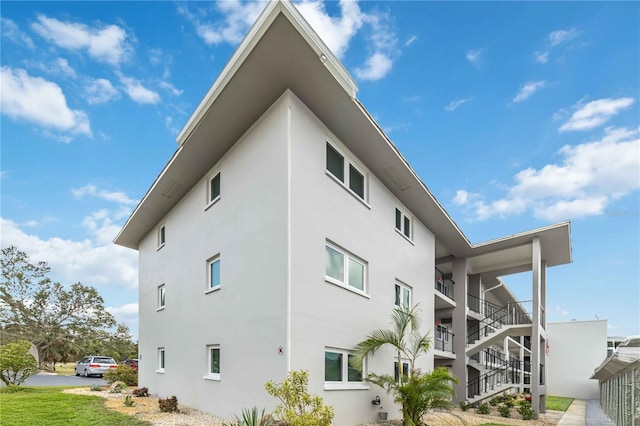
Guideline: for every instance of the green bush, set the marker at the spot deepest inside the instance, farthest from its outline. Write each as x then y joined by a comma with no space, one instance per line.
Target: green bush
297,407
118,387
495,400
169,405
250,417
526,411
504,411
96,388
464,406
483,408
128,402
122,373
16,363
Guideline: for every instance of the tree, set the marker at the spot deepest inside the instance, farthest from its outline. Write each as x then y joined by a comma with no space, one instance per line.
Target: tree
59,322
416,392
16,363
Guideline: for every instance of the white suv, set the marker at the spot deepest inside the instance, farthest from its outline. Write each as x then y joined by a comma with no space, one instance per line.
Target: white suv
94,365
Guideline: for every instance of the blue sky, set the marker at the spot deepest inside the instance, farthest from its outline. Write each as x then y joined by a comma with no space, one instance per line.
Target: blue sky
515,115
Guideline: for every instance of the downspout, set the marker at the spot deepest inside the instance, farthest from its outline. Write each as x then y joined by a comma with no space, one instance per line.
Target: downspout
500,284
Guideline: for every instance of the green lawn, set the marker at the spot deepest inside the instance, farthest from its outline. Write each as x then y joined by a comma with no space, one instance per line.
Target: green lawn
49,406
558,403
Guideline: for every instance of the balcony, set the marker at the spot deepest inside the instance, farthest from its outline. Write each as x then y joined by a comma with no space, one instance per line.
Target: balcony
443,342
444,290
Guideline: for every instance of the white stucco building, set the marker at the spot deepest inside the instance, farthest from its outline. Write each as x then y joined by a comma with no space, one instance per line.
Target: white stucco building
287,226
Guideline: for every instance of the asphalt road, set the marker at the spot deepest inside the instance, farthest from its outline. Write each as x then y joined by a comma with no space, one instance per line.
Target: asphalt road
46,379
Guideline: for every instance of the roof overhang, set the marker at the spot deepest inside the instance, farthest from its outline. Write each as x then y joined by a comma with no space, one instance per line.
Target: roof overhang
282,52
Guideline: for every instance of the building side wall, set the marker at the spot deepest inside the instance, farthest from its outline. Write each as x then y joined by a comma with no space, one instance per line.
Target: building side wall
324,314
247,228
576,348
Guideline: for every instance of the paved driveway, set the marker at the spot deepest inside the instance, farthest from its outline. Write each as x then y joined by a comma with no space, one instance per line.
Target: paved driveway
46,379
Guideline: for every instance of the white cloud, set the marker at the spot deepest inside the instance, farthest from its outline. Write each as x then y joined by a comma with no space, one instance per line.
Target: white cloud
62,66
560,36
590,177
112,196
105,43
595,113
170,88
375,68
99,91
541,57
137,92
453,105
11,32
528,89
475,56
411,40
461,198
39,101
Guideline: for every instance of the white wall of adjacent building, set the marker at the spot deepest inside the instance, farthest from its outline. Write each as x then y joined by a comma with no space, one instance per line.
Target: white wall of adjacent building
576,348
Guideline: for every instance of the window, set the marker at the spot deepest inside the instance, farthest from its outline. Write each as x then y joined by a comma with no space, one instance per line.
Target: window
161,296
352,177
160,360
405,371
344,269
338,372
161,236
442,333
403,296
213,190
403,223
213,273
213,362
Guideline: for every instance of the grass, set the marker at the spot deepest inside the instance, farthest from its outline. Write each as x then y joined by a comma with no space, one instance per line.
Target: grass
48,406
66,368
558,403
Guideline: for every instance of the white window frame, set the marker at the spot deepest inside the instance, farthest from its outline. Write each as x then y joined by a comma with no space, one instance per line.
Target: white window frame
162,236
162,295
210,262
403,288
405,373
442,333
161,360
404,217
211,201
346,181
211,375
346,257
345,384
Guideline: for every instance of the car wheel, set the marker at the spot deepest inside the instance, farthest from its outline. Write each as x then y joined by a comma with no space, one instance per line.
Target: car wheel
86,374
76,370
101,376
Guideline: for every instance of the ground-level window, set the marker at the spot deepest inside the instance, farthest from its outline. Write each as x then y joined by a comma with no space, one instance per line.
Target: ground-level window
213,362
161,296
403,295
161,360
344,268
405,371
338,370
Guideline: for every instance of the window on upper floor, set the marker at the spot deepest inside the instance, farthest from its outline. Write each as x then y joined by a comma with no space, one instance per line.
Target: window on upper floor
403,295
160,360
345,269
162,234
403,223
213,189
213,273
346,172
442,333
338,371
213,362
161,296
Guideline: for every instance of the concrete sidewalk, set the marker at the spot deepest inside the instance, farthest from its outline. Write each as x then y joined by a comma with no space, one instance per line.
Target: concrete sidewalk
575,414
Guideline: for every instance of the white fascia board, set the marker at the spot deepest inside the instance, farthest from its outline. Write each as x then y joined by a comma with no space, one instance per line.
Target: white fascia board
257,30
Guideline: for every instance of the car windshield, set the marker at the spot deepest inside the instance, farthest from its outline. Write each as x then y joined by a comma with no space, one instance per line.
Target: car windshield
104,360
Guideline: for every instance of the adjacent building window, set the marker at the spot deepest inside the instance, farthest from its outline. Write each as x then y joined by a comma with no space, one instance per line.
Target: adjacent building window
405,371
160,360
346,171
338,370
161,236
213,362
161,296
403,295
213,191
213,273
403,223
345,269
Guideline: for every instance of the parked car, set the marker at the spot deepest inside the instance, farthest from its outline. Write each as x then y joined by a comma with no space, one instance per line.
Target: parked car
133,363
94,365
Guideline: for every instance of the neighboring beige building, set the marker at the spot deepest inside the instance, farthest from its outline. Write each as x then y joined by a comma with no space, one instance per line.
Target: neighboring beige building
576,348
287,226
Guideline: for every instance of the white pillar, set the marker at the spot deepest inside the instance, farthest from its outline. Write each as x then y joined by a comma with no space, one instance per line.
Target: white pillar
536,269
459,324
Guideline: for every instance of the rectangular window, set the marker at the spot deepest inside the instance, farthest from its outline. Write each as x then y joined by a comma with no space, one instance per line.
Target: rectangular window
403,296
161,236
338,369
161,360
403,223
442,333
161,296
213,273
405,371
345,269
213,362
214,188
345,171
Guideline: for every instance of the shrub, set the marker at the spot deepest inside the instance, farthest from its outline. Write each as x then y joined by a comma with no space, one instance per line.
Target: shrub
526,411
464,406
16,363
128,402
117,387
504,411
483,408
297,407
250,417
122,373
140,392
96,388
495,400
169,405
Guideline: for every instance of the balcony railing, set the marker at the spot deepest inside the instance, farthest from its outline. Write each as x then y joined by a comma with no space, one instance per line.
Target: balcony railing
482,307
444,284
511,314
444,341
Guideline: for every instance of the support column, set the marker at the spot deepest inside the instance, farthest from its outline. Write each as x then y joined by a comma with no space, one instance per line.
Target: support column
459,323
536,269
544,358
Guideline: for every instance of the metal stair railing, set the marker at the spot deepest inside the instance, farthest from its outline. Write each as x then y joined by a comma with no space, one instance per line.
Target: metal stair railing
512,313
510,374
